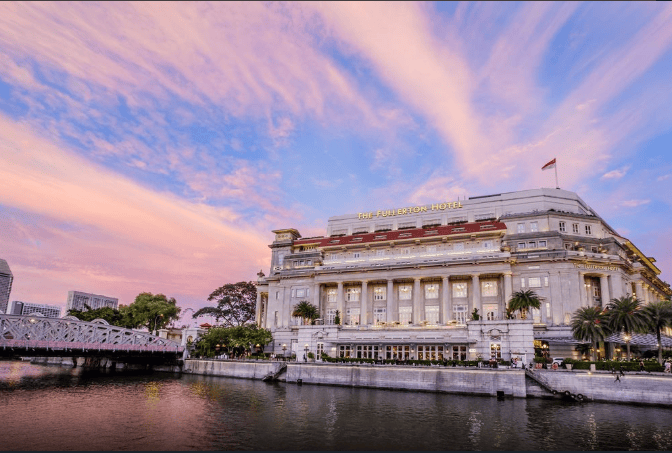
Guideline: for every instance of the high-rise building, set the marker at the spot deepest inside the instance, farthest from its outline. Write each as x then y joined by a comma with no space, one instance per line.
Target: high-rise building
434,281
78,300
27,308
6,279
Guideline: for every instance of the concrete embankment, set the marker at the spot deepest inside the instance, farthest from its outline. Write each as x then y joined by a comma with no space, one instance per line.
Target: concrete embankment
640,388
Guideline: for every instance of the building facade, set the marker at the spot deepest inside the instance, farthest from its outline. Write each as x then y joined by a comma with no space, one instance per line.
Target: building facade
405,282
27,308
77,301
6,279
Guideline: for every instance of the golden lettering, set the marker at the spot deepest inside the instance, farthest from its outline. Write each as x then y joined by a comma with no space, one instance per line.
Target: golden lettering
409,210
443,206
423,208
435,207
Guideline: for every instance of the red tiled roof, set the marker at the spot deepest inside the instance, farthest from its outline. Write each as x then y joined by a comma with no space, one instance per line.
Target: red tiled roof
415,233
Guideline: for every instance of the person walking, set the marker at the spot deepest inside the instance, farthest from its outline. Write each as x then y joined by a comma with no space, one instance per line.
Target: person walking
641,365
668,366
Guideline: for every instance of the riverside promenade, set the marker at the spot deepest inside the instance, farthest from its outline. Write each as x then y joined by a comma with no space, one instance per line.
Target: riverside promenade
634,387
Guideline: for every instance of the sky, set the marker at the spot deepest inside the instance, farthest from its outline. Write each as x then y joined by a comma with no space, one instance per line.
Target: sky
155,146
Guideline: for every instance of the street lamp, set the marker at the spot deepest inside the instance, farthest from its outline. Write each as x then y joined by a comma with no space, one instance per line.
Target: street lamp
156,325
305,354
284,348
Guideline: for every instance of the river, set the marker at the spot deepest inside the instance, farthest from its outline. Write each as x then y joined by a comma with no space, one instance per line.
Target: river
59,408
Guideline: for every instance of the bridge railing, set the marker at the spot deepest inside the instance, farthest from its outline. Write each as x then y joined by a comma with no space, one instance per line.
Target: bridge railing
57,333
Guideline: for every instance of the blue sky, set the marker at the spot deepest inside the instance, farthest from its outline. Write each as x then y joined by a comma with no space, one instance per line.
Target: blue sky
153,147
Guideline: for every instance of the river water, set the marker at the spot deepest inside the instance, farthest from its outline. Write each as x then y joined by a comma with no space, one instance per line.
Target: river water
58,408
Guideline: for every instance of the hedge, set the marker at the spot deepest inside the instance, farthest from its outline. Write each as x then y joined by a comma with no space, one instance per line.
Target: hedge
616,365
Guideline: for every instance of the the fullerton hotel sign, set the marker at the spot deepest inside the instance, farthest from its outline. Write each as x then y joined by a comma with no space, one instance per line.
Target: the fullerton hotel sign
410,210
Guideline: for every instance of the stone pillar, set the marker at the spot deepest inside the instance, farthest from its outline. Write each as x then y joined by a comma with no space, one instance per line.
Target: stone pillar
417,312
391,314
508,290
639,291
476,294
604,290
445,301
363,311
582,289
257,310
647,294
340,302
616,285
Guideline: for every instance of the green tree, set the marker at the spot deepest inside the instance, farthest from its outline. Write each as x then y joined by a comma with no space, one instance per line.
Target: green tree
153,311
590,324
522,301
236,304
624,314
119,318
234,340
658,315
307,311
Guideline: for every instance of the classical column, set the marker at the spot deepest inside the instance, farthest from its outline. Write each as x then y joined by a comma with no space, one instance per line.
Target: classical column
316,300
363,311
582,289
616,285
391,314
476,293
647,294
257,310
508,289
604,290
416,302
340,302
639,291
445,300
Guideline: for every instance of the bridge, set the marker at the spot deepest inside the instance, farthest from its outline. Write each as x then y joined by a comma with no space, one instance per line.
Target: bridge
23,336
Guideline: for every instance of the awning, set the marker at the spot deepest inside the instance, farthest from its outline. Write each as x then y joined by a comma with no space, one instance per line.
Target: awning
640,339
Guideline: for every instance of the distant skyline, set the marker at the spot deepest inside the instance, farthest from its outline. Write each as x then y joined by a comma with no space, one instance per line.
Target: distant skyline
154,146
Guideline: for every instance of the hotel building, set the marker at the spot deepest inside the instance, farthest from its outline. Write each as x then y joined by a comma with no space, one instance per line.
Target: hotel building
77,301
27,308
6,279
406,281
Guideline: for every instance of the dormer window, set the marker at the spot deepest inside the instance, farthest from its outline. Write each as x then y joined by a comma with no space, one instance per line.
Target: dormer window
457,230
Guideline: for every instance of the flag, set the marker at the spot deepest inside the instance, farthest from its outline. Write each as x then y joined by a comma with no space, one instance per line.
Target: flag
549,165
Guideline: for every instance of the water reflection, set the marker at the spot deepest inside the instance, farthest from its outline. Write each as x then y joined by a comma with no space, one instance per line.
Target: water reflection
78,409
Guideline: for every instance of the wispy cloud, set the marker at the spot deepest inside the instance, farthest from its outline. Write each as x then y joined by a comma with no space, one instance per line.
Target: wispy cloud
635,203
616,174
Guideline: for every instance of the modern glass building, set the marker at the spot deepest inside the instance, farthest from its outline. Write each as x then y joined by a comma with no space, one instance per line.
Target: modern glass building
406,281
27,308
6,279
78,300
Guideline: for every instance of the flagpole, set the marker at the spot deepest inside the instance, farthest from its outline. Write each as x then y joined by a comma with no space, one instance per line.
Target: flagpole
557,186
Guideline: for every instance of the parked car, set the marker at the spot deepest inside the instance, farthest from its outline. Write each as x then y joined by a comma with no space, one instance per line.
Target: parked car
559,360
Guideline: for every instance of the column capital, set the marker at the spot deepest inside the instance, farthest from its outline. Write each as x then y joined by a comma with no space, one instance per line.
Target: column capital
417,279
509,273
475,276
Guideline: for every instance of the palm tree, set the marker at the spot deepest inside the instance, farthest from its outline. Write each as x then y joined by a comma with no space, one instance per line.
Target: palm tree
590,324
306,310
625,314
658,315
522,301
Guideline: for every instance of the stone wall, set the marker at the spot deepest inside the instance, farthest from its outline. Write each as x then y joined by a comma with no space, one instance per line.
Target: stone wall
238,369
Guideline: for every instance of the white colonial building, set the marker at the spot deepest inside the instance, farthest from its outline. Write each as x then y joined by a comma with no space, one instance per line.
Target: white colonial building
405,281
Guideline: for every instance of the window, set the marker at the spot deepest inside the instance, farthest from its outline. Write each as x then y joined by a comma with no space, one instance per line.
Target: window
405,292
355,255
568,246
398,352
379,293
300,293
277,295
358,239
352,294
521,227
459,247
405,315
534,227
293,292
548,312
563,227
488,288
275,319
406,251
542,244
431,291
352,316
430,352
459,352
491,312
532,244
589,230
487,244
331,315
575,228
522,282
521,245
534,282
379,315
319,350
344,351
496,350
545,281
593,249
332,294
460,289
380,252
432,314
366,352
460,314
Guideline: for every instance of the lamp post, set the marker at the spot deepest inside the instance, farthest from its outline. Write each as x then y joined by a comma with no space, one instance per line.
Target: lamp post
305,353
626,337
156,325
284,348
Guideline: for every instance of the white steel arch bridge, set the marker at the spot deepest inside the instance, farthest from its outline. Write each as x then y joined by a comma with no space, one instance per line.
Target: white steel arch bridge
35,336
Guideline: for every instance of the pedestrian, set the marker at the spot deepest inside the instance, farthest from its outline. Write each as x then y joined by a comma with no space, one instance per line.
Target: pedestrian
618,378
668,366
641,365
